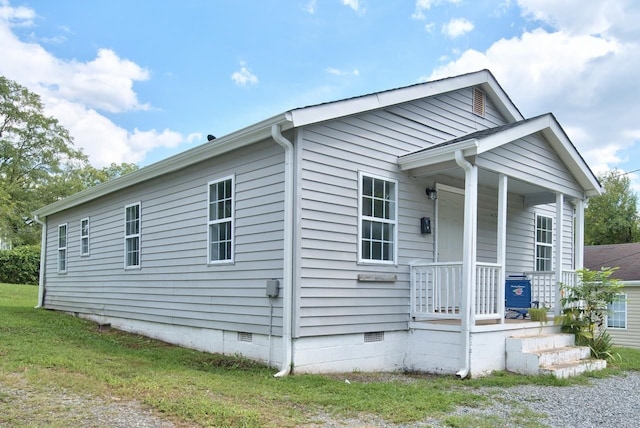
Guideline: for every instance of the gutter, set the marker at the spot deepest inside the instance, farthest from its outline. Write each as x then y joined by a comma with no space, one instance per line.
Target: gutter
43,260
287,289
469,253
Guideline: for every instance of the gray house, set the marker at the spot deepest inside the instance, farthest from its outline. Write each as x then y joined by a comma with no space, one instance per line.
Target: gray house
371,233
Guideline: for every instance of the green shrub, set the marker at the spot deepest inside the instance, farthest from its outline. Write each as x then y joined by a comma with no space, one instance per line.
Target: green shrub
20,265
585,307
538,314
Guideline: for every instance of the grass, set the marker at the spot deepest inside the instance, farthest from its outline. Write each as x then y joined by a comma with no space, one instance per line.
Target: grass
43,351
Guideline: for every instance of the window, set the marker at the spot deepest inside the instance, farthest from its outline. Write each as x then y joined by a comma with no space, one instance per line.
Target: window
378,219
617,317
544,243
132,235
220,220
62,248
84,237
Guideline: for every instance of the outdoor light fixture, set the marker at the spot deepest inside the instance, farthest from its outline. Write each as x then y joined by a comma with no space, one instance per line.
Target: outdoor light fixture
431,194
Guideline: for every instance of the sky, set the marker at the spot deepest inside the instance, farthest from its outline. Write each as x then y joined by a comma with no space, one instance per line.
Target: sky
139,80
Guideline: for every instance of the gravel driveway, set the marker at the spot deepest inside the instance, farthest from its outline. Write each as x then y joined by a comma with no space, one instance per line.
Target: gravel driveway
608,402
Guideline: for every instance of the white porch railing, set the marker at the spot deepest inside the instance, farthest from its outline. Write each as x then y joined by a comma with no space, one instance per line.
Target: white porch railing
544,284
436,290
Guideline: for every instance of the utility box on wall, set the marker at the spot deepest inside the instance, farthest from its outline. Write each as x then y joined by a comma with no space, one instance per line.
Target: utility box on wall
273,288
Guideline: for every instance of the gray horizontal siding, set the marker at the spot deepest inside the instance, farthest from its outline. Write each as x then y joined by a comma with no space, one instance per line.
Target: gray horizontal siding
531,159
331,299
174,284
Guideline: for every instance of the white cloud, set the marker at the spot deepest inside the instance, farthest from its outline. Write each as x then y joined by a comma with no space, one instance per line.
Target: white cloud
585,78
338,72
244,76
457,27
353,4
310,7
424,5
75,92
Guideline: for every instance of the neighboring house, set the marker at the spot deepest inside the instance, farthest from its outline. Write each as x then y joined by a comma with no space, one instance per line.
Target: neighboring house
623,321
372,233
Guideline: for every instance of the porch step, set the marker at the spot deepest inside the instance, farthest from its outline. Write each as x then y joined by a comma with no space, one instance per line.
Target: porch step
549,354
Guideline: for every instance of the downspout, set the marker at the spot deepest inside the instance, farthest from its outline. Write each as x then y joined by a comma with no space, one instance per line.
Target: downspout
287,265
43,260
467,264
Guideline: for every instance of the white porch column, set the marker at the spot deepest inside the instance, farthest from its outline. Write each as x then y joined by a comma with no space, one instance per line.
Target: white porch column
502,241
559,246
578,250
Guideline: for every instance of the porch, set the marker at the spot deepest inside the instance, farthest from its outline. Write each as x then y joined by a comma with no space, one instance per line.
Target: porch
437,292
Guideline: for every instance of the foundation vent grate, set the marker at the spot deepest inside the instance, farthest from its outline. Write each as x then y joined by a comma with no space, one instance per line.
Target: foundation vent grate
377,336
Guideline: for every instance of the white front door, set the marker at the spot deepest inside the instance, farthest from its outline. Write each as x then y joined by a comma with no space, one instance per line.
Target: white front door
449,227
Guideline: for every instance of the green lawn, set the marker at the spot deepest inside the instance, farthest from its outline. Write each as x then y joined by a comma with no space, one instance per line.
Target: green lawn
49,350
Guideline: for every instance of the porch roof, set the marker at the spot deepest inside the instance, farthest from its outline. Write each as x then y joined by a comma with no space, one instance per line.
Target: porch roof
485,140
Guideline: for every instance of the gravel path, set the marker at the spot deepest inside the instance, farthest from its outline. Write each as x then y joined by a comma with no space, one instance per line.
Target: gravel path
610,402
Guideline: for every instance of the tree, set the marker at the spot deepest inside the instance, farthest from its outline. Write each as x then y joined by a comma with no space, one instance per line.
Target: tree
34,150
612,218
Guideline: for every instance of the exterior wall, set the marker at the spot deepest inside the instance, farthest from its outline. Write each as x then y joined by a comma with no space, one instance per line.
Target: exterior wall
350,352
175,286
630,336
531,159
330,298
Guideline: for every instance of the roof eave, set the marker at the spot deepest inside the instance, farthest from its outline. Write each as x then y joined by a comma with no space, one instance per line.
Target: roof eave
227,143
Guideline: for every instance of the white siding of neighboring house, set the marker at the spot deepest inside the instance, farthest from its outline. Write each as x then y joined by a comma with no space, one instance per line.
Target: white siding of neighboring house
630,336
175,285
331,299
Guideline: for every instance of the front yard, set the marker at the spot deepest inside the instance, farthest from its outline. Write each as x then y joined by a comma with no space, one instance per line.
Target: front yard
44,355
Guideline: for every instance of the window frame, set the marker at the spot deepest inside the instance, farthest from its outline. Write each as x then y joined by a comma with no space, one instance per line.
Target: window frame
231,220
84,237
133,236
63,249
541,244
393,260
611,310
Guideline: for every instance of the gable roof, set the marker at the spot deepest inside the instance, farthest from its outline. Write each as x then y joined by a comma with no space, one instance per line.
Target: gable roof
291,119
624,256
485,140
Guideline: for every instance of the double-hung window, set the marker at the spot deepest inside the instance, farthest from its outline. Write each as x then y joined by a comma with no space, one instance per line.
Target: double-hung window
62,248
378,222
617,316
132,236
84,237
544,243
221,220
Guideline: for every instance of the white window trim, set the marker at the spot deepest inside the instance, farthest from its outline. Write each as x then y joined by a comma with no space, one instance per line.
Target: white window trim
626,314
232,219
83,237
394,260
544,244
63,249
135,235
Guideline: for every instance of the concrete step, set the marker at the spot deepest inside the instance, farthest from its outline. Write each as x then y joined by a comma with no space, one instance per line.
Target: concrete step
539,342
549,354
575,368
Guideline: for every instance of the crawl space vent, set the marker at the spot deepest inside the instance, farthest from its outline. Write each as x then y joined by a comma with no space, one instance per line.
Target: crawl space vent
377,336
478,102
245,337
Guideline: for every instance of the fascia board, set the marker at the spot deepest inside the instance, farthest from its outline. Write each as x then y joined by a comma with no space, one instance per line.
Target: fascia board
322,112
437,155
235,140
572,159
493,141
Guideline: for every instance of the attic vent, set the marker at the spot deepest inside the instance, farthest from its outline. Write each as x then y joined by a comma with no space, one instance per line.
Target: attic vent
478,102
245,337
377,336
